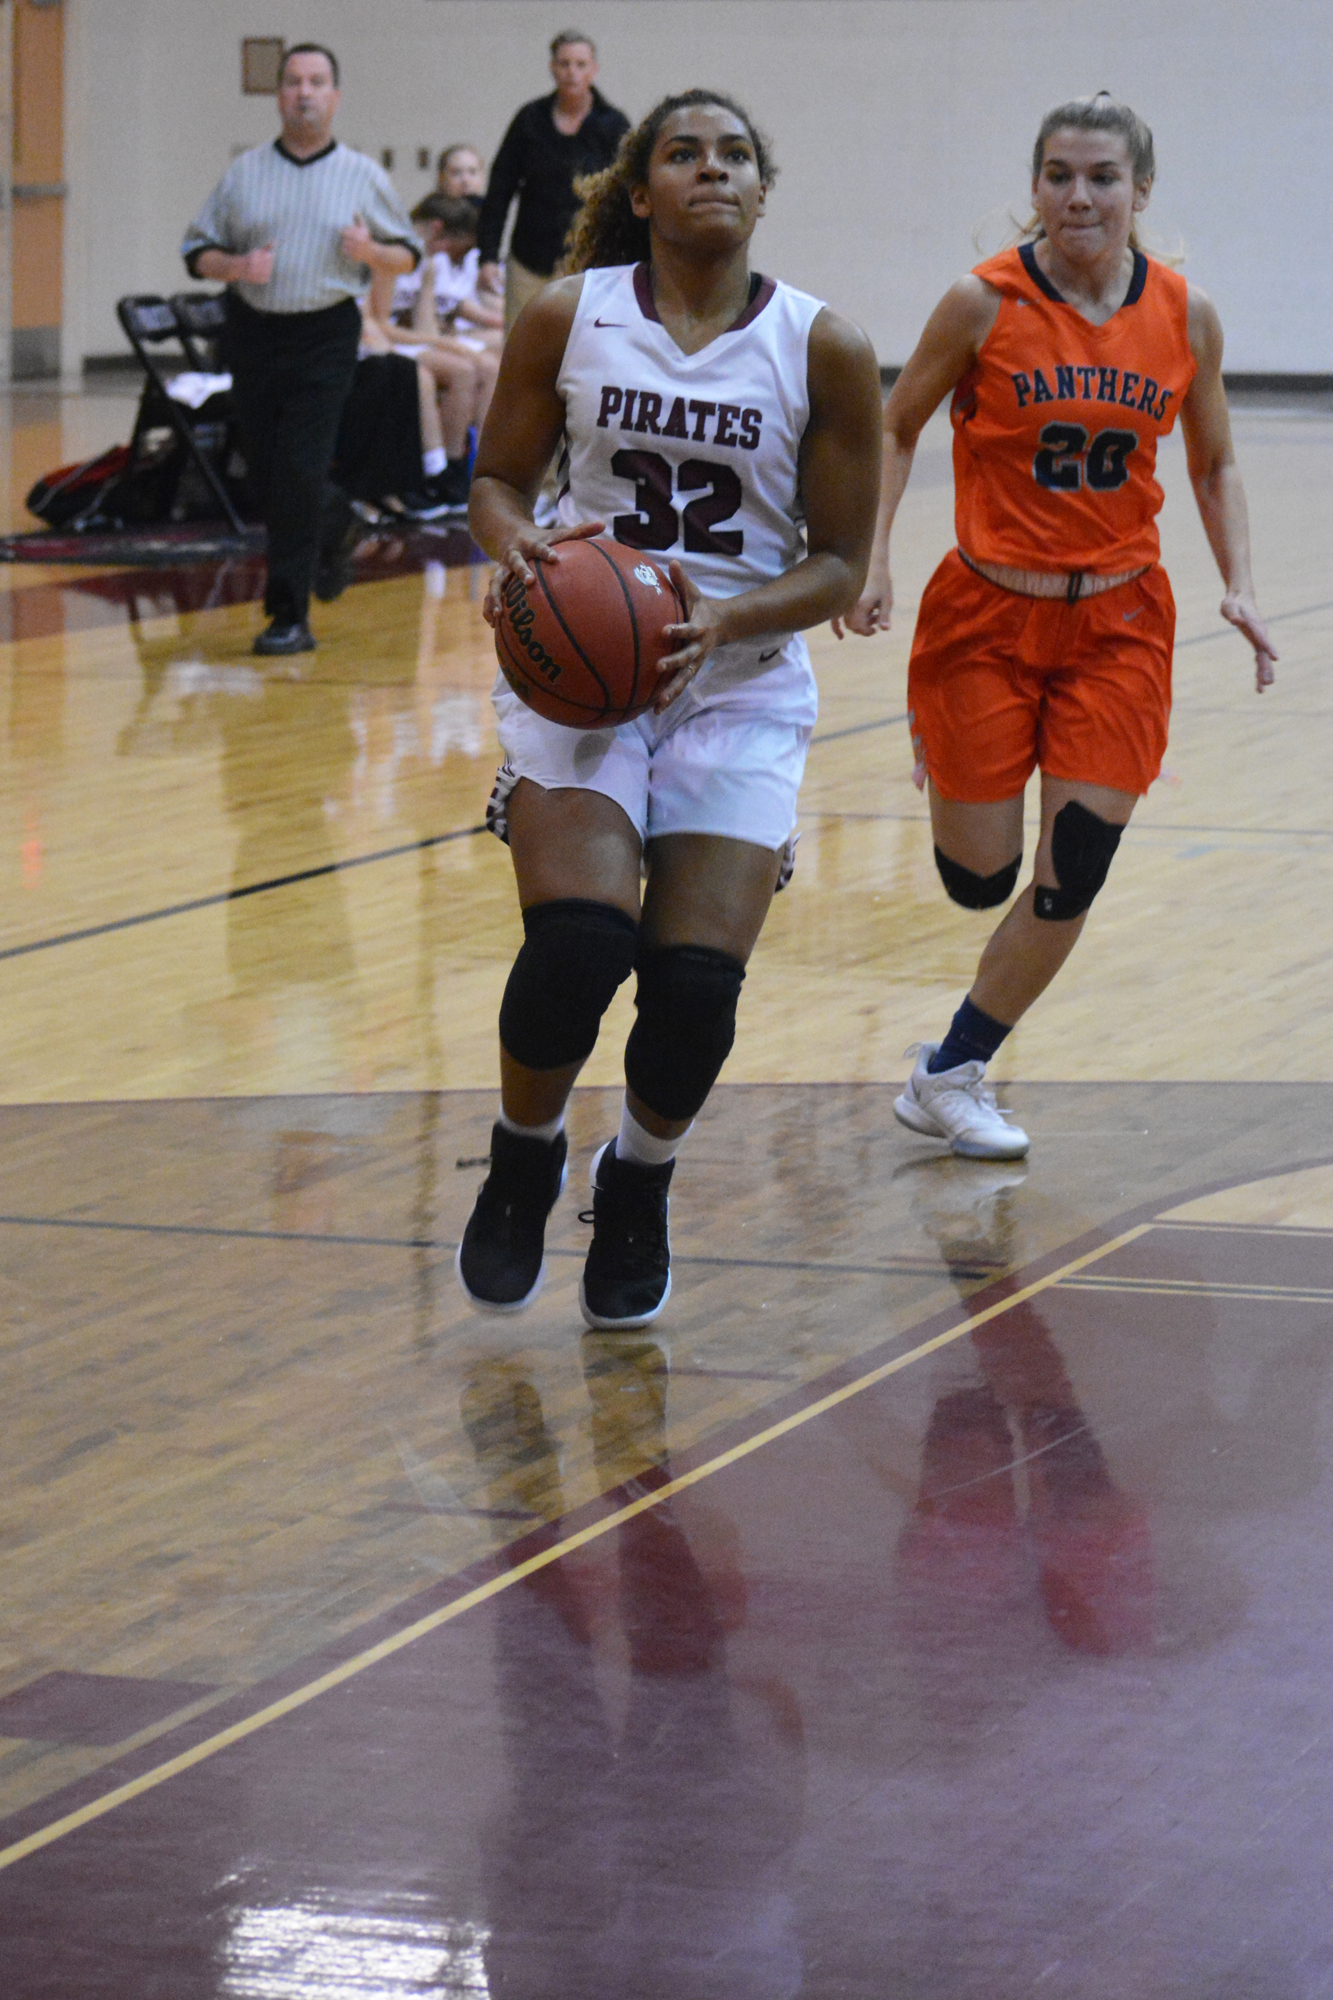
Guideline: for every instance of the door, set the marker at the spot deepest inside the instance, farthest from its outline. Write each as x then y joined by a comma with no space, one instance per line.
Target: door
38,187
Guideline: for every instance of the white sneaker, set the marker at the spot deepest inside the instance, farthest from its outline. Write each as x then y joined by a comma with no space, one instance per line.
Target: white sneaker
959,1105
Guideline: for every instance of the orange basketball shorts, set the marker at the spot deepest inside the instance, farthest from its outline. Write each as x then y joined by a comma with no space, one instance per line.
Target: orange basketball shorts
1001,685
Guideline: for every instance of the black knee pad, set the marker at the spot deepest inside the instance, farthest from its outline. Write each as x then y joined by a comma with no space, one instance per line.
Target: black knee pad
574,956
1082,850
685,1027
978,892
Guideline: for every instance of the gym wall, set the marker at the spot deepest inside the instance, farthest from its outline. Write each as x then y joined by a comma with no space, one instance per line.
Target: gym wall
901,126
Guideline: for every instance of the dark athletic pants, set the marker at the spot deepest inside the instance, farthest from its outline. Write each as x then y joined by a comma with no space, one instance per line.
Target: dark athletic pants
290,376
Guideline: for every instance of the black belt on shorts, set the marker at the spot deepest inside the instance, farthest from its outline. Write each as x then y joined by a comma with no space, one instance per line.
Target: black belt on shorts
1072,585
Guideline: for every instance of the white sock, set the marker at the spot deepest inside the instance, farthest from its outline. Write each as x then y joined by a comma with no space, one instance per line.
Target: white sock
434,460
644,1148
549,1131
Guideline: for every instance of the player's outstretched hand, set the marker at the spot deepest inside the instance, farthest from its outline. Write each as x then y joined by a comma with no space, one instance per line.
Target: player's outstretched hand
1239,609
529,546
691,643
873,609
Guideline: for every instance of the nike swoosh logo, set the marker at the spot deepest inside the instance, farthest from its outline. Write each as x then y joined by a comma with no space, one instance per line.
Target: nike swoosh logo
769,656
1134,613
610,322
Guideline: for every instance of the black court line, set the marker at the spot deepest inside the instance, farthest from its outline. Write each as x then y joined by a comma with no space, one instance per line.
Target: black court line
237,1235
466,832
905,1267
235,895
1244,832
346,1656
1199,639
857,729
1231,631
1136,826
734,1374
450,1507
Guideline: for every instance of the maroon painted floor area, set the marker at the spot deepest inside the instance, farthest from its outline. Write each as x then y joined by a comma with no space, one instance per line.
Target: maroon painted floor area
1054,1716
92,1708
128,592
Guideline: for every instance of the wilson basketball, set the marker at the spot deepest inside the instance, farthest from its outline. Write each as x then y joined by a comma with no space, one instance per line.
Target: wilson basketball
581,644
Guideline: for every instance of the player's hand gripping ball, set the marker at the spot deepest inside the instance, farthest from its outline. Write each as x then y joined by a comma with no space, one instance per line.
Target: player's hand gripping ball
581,644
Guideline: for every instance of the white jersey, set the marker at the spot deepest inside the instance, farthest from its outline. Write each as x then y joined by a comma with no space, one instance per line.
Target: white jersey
456,284
453,283
695,457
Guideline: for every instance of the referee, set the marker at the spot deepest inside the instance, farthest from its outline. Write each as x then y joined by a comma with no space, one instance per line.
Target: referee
297,230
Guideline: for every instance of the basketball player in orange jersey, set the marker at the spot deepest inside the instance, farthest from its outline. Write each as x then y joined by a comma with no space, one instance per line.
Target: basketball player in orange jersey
706,413
1044,639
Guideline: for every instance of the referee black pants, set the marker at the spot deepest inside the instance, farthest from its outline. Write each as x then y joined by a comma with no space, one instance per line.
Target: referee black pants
290,376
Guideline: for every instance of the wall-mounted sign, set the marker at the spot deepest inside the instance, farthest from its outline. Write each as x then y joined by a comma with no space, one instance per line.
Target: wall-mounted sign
261,65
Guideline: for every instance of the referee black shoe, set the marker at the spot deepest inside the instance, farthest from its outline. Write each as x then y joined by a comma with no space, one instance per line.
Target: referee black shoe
285,635
627,1277
499,1261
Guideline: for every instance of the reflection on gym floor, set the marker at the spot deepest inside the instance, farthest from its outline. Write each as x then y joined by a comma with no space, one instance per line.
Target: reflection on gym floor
933,1605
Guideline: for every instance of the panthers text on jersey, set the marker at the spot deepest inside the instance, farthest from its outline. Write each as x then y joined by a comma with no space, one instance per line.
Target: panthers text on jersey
1056,424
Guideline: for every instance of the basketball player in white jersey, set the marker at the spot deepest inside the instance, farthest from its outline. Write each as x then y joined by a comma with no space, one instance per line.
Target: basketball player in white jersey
730,425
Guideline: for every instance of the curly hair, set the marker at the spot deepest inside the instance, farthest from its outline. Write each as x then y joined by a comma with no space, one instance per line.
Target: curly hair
606,230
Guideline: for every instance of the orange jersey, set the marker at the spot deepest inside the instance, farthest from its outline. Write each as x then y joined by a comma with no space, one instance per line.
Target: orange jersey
1056,425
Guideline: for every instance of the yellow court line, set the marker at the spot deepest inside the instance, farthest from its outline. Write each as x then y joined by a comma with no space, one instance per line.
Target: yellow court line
211,1745
1202,1288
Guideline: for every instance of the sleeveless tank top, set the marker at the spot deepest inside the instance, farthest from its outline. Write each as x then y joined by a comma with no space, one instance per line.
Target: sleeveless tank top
695,457
1056,424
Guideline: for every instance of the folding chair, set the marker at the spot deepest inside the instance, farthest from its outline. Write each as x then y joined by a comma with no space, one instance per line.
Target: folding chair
201,319
150,322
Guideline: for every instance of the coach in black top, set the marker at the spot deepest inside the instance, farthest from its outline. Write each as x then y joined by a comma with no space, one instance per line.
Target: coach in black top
550,142
296,230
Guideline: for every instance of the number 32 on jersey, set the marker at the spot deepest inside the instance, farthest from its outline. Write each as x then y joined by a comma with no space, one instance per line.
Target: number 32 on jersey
659,524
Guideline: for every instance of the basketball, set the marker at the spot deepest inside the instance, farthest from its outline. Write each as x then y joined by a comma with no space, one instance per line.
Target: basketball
581,644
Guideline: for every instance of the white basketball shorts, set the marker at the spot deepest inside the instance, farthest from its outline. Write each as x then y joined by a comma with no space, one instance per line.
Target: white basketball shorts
717,770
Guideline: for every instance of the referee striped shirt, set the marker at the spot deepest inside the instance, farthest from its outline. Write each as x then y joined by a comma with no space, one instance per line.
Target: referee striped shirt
301,207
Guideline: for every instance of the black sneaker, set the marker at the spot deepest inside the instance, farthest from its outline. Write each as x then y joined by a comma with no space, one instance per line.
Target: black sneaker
456,482
281,636
499,1261
442,493
627,1278
424,503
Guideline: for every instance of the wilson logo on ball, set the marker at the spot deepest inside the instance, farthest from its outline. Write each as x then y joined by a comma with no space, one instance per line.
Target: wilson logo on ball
594,620
522,618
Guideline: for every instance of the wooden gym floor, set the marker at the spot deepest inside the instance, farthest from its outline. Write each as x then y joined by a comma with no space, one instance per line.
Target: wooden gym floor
935,1606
